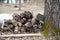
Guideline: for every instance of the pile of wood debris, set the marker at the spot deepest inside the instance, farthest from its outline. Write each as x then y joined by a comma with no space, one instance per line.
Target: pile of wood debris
22,23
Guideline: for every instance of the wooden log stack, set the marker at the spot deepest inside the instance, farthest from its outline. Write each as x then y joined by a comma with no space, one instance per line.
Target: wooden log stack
23,23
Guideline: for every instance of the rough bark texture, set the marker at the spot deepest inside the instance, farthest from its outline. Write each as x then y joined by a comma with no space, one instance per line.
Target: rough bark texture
7,1
52,13
19,4
11,2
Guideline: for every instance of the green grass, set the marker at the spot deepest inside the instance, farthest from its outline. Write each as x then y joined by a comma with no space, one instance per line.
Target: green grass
49,27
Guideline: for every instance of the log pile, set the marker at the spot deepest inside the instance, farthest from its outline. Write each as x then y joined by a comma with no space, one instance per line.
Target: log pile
23,23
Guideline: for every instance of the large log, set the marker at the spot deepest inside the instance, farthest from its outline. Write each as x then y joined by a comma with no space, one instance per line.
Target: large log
20,35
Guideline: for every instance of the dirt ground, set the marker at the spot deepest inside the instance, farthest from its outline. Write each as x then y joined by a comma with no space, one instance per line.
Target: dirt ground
8,8
25,38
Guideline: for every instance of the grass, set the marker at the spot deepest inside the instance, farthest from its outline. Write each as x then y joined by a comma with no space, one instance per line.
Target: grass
48,28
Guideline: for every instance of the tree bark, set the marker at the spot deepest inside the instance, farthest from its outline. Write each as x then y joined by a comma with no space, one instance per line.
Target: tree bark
19,4
11,2
16,1
1,1
7,1
51,10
